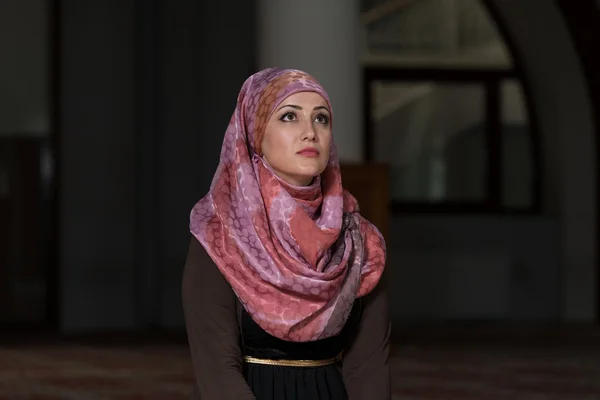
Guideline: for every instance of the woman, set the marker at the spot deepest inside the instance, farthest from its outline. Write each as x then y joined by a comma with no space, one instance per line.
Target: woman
280,288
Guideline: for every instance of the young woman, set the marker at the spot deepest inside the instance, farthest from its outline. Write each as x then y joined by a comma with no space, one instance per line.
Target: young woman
281,286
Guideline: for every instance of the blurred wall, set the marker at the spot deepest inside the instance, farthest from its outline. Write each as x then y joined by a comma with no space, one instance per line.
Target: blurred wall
24,48
124,233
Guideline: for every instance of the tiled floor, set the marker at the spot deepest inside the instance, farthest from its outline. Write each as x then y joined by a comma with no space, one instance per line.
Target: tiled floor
420,372
81,372
496,372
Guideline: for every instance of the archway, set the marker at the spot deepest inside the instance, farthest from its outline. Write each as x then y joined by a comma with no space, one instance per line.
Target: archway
583,21
566,121
525,263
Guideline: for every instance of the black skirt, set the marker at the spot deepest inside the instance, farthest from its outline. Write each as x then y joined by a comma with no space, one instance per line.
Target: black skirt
271,382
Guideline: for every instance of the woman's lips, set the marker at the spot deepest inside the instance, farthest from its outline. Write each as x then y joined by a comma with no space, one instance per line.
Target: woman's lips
309,152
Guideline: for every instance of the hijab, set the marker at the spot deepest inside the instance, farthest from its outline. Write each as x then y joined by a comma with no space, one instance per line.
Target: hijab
296,257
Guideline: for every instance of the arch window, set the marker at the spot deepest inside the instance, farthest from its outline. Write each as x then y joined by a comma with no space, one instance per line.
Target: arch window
447,108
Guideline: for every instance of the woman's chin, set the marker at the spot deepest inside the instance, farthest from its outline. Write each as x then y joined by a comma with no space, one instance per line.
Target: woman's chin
308,176
302,176
311,169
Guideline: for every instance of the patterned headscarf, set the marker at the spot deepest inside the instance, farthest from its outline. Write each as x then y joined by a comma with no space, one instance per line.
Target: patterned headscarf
296,256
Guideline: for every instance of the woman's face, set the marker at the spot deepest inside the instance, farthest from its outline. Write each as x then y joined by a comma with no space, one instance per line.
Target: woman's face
297,138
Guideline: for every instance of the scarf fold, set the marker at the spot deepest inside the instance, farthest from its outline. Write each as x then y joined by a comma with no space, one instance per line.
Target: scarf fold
296,256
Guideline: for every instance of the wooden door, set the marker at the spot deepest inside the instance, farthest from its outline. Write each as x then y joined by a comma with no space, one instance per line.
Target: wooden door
369,183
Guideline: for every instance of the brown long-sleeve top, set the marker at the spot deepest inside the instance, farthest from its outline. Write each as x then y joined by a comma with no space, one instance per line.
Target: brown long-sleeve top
213,328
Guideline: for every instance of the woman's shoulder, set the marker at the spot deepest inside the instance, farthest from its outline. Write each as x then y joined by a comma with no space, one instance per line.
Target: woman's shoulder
201,274
197,253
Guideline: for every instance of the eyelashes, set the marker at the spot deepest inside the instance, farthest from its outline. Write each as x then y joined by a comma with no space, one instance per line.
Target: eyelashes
324,119
288,117
291,116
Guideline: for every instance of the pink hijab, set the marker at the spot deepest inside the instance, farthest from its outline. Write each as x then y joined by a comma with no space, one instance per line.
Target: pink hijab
296,257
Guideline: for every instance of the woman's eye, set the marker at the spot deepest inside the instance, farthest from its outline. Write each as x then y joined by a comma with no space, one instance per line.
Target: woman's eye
288,117
322,119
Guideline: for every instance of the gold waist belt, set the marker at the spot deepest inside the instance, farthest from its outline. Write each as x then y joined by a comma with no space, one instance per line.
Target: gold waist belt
294,363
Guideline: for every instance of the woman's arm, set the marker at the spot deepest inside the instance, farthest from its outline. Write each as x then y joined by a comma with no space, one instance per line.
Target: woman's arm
366,366
213,332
